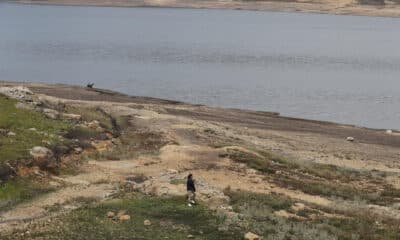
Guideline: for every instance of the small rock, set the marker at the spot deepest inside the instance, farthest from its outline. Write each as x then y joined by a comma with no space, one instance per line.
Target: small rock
18,92
109,135
251,236
32,129
190,236
71,116
51,113
110,214
121,213
125,217
10,134
94,124
78,150
389,131
43,157
172,171
350,139
147,222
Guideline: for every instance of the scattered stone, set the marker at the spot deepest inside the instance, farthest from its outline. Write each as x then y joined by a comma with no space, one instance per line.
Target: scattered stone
32,129
251,236
78,150
110,214
147,222
190,236
51,113
172,171
94,124
251,171
389,131
18,92
10,134
71,116
350,139
121,213
125,217
43,157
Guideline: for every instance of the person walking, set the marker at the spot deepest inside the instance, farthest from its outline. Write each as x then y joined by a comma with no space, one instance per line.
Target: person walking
191,190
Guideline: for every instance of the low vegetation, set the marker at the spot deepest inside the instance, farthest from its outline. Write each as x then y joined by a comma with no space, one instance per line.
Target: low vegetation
20,190
371,2
309,223
22,129
169,218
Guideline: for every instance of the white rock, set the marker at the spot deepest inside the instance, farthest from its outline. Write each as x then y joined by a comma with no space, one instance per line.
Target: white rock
43,157
389,131
251,236
350,139
125,217
71,116
78,150
11,134
147,222
51,113
18,92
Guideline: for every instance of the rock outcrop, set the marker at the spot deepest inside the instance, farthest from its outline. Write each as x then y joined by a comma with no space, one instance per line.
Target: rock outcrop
18,92
43,157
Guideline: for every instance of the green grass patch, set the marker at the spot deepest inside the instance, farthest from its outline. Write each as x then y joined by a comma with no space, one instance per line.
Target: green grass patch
91,114
268,162
258,209
362,226
170,218
133,143
20,121
20,190
273,202
178,181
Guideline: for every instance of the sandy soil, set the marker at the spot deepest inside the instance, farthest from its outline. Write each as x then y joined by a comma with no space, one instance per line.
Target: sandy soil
345,7
193,129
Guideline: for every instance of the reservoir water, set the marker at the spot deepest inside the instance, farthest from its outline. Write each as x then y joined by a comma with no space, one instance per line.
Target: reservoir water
337,68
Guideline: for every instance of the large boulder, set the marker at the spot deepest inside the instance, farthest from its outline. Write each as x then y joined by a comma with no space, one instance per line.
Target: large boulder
43,157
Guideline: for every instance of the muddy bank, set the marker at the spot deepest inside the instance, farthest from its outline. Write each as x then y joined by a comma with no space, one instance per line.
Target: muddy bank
340,7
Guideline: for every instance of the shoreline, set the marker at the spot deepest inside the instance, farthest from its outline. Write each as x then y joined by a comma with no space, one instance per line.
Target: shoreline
341,7
245,117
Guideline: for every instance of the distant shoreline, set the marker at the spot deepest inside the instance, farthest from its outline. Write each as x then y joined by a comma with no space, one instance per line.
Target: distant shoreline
338,7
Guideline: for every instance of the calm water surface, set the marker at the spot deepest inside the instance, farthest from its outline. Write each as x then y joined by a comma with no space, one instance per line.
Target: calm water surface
337,68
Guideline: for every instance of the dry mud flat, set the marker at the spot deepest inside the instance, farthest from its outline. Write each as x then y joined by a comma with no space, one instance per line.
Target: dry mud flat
311,163
344,7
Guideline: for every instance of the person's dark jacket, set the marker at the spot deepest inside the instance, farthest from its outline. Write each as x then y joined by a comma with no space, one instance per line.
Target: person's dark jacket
190,185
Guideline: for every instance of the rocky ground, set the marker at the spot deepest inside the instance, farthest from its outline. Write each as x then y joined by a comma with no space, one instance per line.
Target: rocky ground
258,174
386,8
